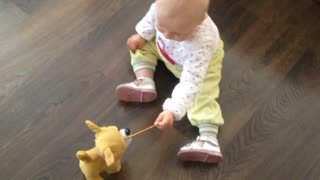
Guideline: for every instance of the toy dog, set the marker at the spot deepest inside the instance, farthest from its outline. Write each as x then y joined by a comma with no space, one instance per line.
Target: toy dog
110,145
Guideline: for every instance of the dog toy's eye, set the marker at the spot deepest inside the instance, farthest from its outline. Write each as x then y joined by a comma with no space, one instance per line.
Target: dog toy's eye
127,131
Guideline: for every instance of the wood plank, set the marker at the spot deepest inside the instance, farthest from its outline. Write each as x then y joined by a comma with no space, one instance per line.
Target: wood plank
61,60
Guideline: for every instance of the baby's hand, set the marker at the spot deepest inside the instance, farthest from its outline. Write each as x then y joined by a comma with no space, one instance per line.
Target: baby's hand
165,120
135,42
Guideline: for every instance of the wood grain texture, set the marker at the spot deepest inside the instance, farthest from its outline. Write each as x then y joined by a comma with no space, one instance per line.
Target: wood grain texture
61,60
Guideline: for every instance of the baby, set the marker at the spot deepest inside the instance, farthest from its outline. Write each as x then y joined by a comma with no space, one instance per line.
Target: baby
182,35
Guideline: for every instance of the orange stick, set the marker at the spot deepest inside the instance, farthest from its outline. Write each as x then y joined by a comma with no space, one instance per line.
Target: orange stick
140,132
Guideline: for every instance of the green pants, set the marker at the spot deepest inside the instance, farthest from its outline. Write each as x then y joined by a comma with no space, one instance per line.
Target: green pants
205,108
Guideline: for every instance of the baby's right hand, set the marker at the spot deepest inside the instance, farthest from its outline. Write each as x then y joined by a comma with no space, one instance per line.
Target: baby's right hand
135,42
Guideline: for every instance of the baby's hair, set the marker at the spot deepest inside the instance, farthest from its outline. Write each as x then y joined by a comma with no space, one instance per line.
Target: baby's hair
196,9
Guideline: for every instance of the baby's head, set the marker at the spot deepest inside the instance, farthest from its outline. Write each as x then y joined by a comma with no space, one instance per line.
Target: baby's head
178,19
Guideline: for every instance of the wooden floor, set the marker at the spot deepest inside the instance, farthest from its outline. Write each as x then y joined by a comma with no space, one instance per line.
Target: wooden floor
60,61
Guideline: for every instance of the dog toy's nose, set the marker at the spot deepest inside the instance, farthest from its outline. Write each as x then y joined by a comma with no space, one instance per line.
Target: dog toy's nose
127,131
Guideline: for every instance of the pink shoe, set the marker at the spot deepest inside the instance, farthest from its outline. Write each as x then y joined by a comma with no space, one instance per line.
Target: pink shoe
142,93
209,152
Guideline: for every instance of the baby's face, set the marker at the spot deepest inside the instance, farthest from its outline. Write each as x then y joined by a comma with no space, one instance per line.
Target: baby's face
178,29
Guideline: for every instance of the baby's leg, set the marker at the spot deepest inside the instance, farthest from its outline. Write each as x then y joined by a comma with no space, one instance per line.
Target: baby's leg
144,73
143,89
206,115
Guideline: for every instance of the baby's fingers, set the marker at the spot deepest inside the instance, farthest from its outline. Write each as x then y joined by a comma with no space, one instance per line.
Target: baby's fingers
132,47
159,120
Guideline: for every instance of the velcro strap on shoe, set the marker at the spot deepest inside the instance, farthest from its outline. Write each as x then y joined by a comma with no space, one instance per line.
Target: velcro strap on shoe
146,84
213,141
140,78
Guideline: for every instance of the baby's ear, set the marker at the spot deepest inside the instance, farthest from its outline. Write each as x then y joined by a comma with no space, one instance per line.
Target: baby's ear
108,155
95,128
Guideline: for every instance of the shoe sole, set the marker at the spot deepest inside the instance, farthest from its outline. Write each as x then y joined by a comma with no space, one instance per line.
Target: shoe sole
200,156
129,94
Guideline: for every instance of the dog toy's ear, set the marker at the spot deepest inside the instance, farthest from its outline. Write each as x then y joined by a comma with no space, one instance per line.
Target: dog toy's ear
95,128
108,155
82,155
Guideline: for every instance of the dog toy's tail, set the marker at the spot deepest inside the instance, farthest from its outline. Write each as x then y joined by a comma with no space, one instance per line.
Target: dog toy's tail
82,155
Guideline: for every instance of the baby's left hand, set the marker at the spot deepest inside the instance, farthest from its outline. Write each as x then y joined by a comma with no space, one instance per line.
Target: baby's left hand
165,120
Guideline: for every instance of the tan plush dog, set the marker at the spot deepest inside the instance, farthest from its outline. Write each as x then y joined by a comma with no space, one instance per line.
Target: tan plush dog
110,145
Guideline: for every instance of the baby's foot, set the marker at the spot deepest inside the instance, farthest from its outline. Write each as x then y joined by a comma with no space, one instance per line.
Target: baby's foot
204,149
141,90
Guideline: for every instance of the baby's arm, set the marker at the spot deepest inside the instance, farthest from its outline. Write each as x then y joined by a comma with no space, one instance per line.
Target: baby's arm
146,28
191,80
